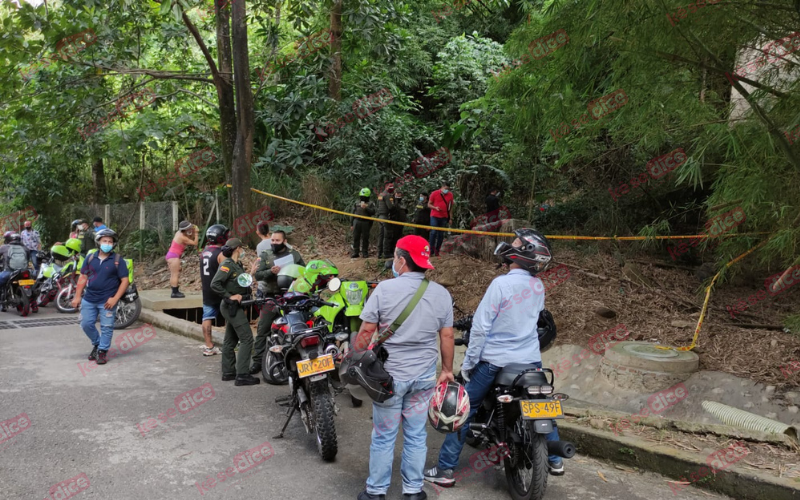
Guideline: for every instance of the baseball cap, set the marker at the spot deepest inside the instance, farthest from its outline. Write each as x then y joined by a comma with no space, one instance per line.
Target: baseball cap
233,243
418,248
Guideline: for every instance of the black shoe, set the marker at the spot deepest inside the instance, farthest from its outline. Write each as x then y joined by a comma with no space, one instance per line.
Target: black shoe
226,377
440,477
246,380
353,255
415,496
556,468
366,256
256,368
177,295
366,496
93,354
101,357
4,308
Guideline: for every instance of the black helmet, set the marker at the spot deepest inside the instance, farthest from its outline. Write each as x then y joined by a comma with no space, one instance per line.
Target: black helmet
533,255
75,223
217,234
105,232
363,375
7,236
547,330
14,237
449,407
285,281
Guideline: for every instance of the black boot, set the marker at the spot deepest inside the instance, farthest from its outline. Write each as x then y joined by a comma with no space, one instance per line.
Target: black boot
246,380
176,294
256,368
228,376
93,354
101,357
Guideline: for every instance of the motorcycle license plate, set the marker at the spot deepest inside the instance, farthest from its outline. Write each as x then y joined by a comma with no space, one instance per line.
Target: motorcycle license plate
26,282
546,409
310,367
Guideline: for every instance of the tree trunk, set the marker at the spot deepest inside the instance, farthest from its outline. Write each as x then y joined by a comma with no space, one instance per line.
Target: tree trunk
224,84
243,148
335,82
99,181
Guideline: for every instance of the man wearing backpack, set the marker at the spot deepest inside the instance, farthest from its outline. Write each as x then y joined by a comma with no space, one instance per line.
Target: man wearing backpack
107,276
15,257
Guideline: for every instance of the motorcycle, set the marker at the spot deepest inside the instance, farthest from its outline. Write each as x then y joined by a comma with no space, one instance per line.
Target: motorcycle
19,292
516,414
67,280
47,285
303,349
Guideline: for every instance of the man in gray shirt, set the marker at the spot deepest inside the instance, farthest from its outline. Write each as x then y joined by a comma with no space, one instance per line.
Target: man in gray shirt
411,363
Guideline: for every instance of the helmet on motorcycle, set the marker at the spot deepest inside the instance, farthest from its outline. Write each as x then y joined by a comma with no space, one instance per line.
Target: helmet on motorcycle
217,234
73,244
365,377
105,233
546,327
14,237
449,407
59,252
533,255
365,192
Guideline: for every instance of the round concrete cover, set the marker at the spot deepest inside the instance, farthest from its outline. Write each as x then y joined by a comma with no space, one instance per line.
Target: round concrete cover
646,356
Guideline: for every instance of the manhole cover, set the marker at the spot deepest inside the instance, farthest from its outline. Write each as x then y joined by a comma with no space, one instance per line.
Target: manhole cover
650,351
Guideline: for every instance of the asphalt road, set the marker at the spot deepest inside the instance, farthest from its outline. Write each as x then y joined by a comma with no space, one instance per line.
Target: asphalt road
94,421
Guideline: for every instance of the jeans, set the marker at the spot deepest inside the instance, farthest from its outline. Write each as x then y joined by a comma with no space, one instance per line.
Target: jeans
409,404
437,237
89,314
35,260
481,379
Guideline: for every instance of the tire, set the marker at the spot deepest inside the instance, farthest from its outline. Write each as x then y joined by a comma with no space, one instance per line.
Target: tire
273,369
527,478
24,306
322,407
64,299
127,313
43,299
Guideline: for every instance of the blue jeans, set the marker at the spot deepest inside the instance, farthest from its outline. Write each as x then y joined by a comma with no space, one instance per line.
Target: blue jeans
89,314
4,277
409,404
480,381
437,237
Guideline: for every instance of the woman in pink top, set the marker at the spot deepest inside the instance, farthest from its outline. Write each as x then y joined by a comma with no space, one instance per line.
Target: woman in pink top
187,235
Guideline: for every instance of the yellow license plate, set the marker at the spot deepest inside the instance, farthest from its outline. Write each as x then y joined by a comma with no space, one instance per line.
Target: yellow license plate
310,367
534,409
26,282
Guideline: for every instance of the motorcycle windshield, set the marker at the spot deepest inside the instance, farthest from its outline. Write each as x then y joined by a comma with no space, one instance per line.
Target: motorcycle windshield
293,270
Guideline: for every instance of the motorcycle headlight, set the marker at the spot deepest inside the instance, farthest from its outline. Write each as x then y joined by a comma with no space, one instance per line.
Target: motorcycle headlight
354,296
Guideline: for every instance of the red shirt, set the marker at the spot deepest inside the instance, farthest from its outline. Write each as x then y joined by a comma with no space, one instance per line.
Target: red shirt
444,202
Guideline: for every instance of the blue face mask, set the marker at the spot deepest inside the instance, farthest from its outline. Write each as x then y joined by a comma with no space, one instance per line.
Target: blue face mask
445,191
396,274
106,248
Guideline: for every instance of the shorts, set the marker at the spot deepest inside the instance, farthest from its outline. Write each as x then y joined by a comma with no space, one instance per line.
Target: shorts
172,255
210,312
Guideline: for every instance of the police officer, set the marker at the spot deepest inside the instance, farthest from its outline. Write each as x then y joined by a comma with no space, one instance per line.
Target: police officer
422,215
385,203
237,326
267,275
397,212
361,227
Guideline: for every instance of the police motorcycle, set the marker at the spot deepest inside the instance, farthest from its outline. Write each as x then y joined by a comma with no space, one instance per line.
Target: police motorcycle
301,350
47,282
516,415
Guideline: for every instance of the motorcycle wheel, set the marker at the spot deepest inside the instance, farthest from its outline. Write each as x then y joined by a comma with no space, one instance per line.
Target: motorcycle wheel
273,370
43,299
526,465
23,304
64,300
127,313
322,405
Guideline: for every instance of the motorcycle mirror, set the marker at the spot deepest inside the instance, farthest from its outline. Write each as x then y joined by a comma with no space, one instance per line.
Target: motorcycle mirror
334,284
244,280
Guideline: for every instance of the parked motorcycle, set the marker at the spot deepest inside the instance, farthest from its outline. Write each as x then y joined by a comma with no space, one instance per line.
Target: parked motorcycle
47,282
304,350
515,416
18,292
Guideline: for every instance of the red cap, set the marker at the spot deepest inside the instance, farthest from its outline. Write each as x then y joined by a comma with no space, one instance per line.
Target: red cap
418,248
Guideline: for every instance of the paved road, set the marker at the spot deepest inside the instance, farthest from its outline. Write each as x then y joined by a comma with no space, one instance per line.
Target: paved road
88,422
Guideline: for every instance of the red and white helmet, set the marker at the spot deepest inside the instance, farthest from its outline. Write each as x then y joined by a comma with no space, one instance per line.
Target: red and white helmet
449,408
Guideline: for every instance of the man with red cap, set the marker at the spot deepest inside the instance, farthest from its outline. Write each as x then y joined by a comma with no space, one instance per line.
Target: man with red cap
411,363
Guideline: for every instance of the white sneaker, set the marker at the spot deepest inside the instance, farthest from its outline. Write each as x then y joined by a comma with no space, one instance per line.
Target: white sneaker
211,351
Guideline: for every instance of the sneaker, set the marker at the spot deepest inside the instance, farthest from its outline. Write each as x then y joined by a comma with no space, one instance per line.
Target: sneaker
256,368
101,357
177,295
556,468
366,496
210,351
93,354
440,477
227,377
246,380
415,496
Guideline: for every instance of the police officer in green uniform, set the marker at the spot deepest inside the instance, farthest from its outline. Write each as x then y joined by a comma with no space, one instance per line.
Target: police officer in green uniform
397,212
237,326
361,227
385,205
267,273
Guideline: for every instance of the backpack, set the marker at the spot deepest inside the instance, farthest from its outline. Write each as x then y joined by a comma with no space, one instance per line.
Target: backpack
17,257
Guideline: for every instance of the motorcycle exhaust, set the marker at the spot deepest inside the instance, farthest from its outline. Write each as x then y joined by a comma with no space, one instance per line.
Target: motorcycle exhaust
333,350
563,449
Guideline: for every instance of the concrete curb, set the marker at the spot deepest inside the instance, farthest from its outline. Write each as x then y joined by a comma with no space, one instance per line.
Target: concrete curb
177,326
734,481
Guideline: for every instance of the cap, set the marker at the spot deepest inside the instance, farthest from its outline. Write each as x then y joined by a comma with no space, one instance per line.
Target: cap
418,248
97,219
233,243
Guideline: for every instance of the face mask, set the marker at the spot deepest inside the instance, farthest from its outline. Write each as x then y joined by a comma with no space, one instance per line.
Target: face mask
445,191
278,248
239,257
106,248
396,274
421,198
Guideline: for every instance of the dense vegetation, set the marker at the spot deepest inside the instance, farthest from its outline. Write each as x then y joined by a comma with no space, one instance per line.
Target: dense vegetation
248,80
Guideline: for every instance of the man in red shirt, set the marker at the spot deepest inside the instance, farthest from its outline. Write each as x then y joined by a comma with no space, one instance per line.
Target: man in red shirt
441,205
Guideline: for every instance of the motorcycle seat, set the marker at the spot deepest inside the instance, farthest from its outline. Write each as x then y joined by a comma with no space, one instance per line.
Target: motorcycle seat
509,372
